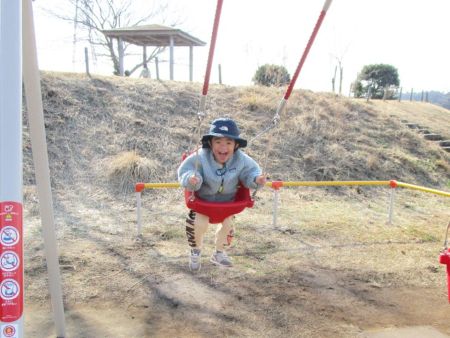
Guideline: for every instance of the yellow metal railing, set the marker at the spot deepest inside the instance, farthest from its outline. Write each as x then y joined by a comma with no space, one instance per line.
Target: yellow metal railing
276,185
279,184
417,187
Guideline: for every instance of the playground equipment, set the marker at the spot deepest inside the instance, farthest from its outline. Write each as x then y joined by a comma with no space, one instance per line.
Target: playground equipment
17,42
11,219
217,212
277,185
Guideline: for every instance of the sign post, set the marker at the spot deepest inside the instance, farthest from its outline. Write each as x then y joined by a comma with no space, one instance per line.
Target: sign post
11,231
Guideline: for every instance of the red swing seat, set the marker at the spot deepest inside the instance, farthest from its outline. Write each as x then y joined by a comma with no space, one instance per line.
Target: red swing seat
218,211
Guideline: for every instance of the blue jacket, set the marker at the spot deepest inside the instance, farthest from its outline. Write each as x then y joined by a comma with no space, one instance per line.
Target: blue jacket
240,167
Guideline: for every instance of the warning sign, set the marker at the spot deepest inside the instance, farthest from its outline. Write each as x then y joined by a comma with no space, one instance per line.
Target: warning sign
10,331
11,267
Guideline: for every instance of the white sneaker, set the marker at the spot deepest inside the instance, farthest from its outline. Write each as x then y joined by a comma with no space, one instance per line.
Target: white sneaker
195,260
220,258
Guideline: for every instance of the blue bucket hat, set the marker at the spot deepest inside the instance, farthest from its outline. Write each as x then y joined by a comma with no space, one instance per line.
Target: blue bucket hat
223,127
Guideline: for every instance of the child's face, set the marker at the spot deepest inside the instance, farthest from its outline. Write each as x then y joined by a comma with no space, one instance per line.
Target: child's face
222,148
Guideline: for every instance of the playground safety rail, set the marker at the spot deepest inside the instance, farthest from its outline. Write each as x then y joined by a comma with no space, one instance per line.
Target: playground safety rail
277,185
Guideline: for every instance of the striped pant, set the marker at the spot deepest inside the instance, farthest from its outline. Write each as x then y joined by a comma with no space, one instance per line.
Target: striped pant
197,225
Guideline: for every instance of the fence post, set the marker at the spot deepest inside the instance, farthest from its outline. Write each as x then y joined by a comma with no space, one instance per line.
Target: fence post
276,185
138,210
275,207
86,61
138,189
393,185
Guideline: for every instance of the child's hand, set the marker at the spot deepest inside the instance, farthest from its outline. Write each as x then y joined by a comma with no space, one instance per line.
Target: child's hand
193,180
261,179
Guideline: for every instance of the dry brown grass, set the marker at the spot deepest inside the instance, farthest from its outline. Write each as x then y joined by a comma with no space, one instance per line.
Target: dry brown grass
124,170
427,115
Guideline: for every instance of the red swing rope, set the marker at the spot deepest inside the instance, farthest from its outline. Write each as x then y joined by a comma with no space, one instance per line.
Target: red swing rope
308,47
282,104
212,47
201,113
216,212
283,101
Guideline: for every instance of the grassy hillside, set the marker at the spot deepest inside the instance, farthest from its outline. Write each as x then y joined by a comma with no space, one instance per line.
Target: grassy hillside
321,137
330,253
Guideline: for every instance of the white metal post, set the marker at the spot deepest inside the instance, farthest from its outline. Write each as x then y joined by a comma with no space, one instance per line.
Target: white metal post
11,219
391,205
138,210
276,193
32,85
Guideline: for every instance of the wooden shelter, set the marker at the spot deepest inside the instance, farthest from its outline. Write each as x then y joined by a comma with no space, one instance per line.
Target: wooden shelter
155,36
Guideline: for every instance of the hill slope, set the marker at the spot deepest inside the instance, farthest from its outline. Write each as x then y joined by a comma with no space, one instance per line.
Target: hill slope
321,137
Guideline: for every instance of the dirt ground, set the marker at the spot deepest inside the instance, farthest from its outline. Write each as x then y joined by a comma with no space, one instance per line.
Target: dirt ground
291,280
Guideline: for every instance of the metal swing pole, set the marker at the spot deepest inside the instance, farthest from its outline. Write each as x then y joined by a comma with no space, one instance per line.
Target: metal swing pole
11,177
31,79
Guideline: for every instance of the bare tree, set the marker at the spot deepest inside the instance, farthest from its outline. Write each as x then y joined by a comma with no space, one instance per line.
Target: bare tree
94,16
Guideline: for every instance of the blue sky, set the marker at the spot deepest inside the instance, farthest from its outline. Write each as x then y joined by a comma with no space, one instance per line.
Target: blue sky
411,35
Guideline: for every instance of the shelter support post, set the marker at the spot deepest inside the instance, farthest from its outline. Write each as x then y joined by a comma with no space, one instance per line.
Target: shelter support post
157,68
144,56
171,57
191,63
121,56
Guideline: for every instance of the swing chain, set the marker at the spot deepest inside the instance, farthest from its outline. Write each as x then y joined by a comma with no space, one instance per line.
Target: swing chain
275,121
201,114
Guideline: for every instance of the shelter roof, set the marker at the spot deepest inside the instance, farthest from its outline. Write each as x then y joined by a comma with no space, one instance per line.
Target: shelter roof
154,35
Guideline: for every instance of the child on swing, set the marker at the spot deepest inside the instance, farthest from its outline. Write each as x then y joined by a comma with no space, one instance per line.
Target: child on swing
215,176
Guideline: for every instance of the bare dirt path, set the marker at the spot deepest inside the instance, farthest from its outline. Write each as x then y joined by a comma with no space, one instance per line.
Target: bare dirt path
140,292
